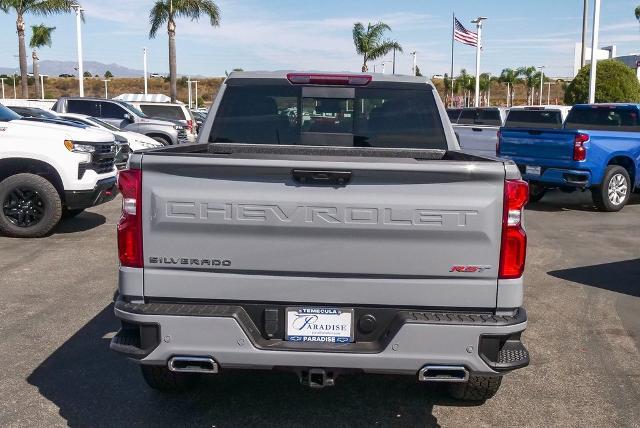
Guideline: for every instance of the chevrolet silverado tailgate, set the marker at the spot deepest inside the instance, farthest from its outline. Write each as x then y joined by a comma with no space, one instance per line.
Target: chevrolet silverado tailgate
555,145
344,230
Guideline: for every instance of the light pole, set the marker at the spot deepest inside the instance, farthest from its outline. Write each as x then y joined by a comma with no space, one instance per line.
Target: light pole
478,22
42,76
549,92
508,93
144,50
585,24
415,64
106,88
542,67
79,11
196,82
594,47
2,78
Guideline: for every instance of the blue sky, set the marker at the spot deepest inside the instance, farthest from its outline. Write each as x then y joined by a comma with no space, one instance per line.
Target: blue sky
288,34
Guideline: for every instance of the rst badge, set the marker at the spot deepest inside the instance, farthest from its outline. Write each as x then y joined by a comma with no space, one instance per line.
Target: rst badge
320,325
469,268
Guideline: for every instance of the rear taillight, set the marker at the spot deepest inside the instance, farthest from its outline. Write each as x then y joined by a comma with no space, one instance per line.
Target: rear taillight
130,223
579,148
329,79
189,125
513,250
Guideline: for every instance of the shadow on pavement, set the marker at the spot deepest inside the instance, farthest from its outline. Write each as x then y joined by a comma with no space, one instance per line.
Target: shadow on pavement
92,386
556,200
621,277
81,223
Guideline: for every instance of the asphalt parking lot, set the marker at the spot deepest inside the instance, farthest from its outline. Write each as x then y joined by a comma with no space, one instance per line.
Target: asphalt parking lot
582,295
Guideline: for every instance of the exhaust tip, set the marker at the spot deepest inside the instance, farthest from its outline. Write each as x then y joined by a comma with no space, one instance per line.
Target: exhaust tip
443,374
193,365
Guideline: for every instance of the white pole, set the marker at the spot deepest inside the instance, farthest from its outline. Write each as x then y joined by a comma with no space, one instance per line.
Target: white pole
42,85
508,93
196,82
414,70
549,93
79,10
189,89
106,88
2,78
594,47
541,83
478,22
145,70
14,86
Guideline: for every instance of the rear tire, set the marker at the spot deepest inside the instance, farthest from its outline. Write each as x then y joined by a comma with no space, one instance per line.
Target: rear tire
30,206
615,190
478,388
162,379
536,192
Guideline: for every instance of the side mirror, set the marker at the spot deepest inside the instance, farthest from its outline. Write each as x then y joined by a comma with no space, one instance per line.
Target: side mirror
129,117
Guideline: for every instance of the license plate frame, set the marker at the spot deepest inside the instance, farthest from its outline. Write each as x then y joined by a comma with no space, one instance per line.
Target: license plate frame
300,317
533,170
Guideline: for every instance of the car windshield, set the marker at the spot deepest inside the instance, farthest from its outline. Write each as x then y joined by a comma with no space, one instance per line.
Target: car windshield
103,124
613,118
134,109
7,115
381,117
551,119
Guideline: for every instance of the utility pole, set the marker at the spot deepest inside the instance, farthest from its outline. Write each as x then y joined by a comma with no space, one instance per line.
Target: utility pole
478,22
393,70
2,78
594,48
41,86
189,90
79,11
144,53
542,67
585,24
106,88
413,69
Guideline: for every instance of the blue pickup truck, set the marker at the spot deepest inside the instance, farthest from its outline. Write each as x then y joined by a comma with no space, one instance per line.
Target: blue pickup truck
598,148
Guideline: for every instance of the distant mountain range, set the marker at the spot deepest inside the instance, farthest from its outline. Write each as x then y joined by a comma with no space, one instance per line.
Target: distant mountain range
56,68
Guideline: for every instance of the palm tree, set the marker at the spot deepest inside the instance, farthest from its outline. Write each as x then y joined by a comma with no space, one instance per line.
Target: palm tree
463,83
637,13
167,11
485,85
528,75
448,84
369,42
509,76
40,36
36,7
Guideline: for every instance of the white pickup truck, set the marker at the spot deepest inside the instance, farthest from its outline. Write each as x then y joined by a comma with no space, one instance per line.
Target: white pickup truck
50,169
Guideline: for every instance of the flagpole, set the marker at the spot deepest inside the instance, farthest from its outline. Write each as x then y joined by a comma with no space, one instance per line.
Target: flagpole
478,22
453,31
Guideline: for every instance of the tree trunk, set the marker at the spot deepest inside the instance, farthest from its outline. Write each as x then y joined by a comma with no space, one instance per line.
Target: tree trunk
22,53
36,74
365,68
173,77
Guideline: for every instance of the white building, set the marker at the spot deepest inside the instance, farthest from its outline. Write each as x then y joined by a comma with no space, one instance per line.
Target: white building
607,52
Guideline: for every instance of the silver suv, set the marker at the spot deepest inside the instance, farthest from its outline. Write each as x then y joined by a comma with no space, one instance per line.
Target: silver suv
124,116
175,112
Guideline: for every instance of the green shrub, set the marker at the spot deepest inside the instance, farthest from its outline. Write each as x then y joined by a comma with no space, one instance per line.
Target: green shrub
615,83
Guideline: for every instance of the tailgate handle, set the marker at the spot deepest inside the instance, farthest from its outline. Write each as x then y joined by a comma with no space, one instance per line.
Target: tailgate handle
327,178
476,129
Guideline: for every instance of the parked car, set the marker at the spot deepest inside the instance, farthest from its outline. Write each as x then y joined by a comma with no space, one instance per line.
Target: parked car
199,117
598,149
66,75
175,112
365,243
135,140
49,170
477,129
124,116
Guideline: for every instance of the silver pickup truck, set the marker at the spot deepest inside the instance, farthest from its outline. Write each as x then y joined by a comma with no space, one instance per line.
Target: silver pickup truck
325,224
477,129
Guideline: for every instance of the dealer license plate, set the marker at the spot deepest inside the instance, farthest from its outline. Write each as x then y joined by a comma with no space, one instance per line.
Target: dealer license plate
320,325
532,170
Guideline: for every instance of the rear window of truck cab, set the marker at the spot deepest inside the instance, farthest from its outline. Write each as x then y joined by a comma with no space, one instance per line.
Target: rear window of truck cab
532,118
480,116
378,117
602,117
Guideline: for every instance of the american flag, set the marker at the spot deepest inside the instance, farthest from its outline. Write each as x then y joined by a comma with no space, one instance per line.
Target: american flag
463,35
